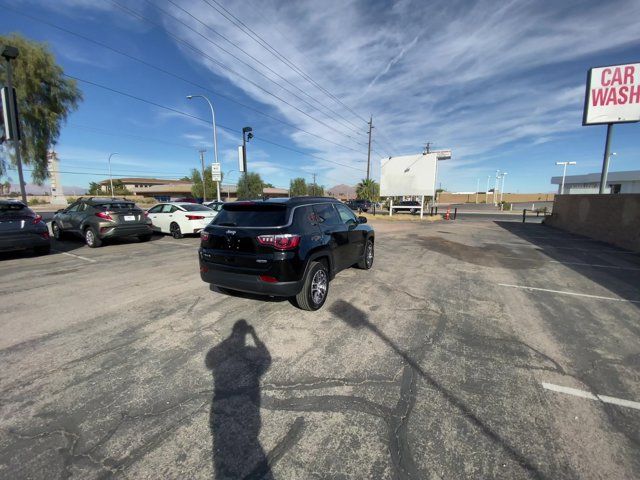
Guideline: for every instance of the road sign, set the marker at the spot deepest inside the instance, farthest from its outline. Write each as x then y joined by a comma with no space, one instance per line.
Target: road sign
240,158
613,95
216,173
10,114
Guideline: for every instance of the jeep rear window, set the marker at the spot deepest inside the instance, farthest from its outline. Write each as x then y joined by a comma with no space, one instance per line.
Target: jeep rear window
249,214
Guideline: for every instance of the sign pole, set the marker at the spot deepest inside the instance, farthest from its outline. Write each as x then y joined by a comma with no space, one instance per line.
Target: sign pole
605,160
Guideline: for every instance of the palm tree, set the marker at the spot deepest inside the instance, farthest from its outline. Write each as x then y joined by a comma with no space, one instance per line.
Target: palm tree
368,189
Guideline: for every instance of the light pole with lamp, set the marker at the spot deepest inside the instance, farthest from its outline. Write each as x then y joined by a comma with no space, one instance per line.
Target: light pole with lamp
504,174
564,173
247,134
486,194
215,137
110,178
495,188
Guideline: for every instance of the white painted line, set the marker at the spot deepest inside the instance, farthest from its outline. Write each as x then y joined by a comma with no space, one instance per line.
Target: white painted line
569,391
75,256
588,395
594,265
184,245
592,250
560,292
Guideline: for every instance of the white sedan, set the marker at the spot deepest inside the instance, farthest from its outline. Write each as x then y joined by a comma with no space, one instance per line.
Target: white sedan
181,218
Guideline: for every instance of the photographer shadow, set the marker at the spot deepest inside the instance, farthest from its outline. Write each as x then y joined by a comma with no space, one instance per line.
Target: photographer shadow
234,418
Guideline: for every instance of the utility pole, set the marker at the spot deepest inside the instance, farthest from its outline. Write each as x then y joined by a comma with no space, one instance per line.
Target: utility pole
369,149
477,188
314,184
204,187
427,147
495,188
11,53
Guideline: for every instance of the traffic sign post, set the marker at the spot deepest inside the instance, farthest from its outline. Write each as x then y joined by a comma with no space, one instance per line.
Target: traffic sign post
216,176
612,96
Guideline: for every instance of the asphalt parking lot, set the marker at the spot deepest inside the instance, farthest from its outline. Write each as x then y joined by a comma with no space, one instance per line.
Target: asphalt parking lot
474,349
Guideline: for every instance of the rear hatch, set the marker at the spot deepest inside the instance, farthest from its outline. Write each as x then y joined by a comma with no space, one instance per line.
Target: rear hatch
122,213
16,218
232,238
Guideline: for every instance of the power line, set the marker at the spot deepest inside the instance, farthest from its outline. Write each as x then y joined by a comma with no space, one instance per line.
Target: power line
252,57
186,114
229,69
262,42
174,75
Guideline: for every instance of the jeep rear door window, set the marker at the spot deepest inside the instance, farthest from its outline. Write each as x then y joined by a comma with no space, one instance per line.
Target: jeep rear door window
250,214
327,214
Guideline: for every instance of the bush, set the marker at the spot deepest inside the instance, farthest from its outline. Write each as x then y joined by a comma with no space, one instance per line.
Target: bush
36,201
506,206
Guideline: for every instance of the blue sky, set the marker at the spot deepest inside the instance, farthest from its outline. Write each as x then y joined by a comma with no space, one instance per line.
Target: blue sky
502,85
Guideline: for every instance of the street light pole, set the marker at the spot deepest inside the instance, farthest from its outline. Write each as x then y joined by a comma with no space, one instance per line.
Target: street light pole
504,174
204,186
564,173
110,178
495,189
486,194
477,188
215,138
246,135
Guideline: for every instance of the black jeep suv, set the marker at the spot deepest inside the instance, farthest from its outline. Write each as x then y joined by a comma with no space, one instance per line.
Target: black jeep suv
284,247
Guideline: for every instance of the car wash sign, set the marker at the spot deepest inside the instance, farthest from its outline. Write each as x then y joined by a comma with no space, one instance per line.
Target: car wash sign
613,95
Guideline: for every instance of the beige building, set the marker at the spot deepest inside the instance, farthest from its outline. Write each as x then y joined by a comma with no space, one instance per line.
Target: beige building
139,185
228,193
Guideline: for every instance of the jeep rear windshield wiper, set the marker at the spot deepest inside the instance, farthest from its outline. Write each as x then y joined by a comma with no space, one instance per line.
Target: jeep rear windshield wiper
227,224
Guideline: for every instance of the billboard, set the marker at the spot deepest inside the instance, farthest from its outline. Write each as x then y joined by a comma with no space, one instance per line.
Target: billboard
612,95
408,175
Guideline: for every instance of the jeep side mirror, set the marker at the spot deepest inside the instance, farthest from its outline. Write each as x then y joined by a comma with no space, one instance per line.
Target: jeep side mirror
362,219
60,211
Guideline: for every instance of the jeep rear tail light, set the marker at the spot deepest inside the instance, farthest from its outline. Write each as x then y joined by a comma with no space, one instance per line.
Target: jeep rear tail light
280,242
195,217
268,278
105,216
204,236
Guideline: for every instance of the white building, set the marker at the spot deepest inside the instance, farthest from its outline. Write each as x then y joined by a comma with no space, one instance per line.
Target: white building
617,182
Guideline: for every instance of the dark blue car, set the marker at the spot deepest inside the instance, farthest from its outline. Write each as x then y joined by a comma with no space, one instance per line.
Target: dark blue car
21,228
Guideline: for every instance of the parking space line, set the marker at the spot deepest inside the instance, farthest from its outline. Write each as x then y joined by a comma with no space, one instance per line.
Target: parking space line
592,250
590,396
75,256
561,292
183,245
581,264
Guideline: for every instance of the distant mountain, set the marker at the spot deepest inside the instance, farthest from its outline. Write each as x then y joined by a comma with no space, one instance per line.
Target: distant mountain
33,189
342,191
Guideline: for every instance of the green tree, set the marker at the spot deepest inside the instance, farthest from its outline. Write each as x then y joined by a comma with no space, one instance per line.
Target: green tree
94,188
269,185
250,186
45,99
316,190
368,189
119,188
210,185
298,187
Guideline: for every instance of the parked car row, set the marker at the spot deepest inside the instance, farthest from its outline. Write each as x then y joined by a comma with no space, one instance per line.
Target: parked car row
96,220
